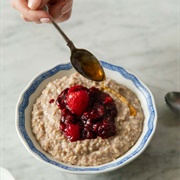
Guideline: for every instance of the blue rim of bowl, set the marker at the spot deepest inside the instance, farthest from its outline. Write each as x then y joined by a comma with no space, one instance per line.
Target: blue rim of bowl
113,165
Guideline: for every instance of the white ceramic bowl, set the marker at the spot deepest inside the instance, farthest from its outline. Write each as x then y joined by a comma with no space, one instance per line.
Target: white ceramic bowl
119,74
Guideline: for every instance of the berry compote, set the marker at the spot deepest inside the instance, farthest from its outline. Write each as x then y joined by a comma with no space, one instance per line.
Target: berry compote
86,113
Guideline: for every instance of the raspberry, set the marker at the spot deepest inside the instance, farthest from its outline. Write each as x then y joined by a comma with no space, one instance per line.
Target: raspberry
51,101
106,129
62,126
60,99
73,132
108,100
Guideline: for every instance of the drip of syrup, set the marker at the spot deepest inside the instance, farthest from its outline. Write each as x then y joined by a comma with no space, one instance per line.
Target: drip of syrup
132,109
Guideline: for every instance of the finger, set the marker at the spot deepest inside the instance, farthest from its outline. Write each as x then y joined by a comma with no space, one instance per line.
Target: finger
55,10
25,19
21,6
34,4
60,9
67,7
53,2
64,17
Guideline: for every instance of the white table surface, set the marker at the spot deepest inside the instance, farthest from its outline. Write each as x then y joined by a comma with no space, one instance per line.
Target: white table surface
139,35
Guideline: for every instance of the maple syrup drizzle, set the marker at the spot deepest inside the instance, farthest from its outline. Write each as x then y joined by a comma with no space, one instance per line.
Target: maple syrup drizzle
132,109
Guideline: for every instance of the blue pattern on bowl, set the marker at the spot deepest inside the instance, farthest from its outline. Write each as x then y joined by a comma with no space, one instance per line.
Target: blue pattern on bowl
125,74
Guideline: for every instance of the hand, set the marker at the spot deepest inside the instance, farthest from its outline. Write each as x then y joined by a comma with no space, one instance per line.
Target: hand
31,11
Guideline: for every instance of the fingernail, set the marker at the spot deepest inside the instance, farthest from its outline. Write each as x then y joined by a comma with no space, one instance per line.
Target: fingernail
34,4
66,8
45,20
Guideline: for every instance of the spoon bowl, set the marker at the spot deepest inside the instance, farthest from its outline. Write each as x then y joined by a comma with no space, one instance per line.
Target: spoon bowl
172,99
87,65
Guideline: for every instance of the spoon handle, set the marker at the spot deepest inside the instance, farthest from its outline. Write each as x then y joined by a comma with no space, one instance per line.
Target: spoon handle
69,42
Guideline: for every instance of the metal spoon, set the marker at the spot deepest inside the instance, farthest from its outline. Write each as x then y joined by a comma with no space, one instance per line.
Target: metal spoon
82,60
172,99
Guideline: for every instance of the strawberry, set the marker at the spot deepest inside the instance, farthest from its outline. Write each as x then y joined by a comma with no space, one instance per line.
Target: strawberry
73,132
77,101
76,88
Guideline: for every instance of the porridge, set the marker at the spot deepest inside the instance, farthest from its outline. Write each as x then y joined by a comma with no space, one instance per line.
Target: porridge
87,147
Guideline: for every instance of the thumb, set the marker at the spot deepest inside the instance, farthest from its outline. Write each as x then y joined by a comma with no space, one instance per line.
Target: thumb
34,4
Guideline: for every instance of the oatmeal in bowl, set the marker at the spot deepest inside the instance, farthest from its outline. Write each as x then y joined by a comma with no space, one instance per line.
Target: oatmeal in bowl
81,126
